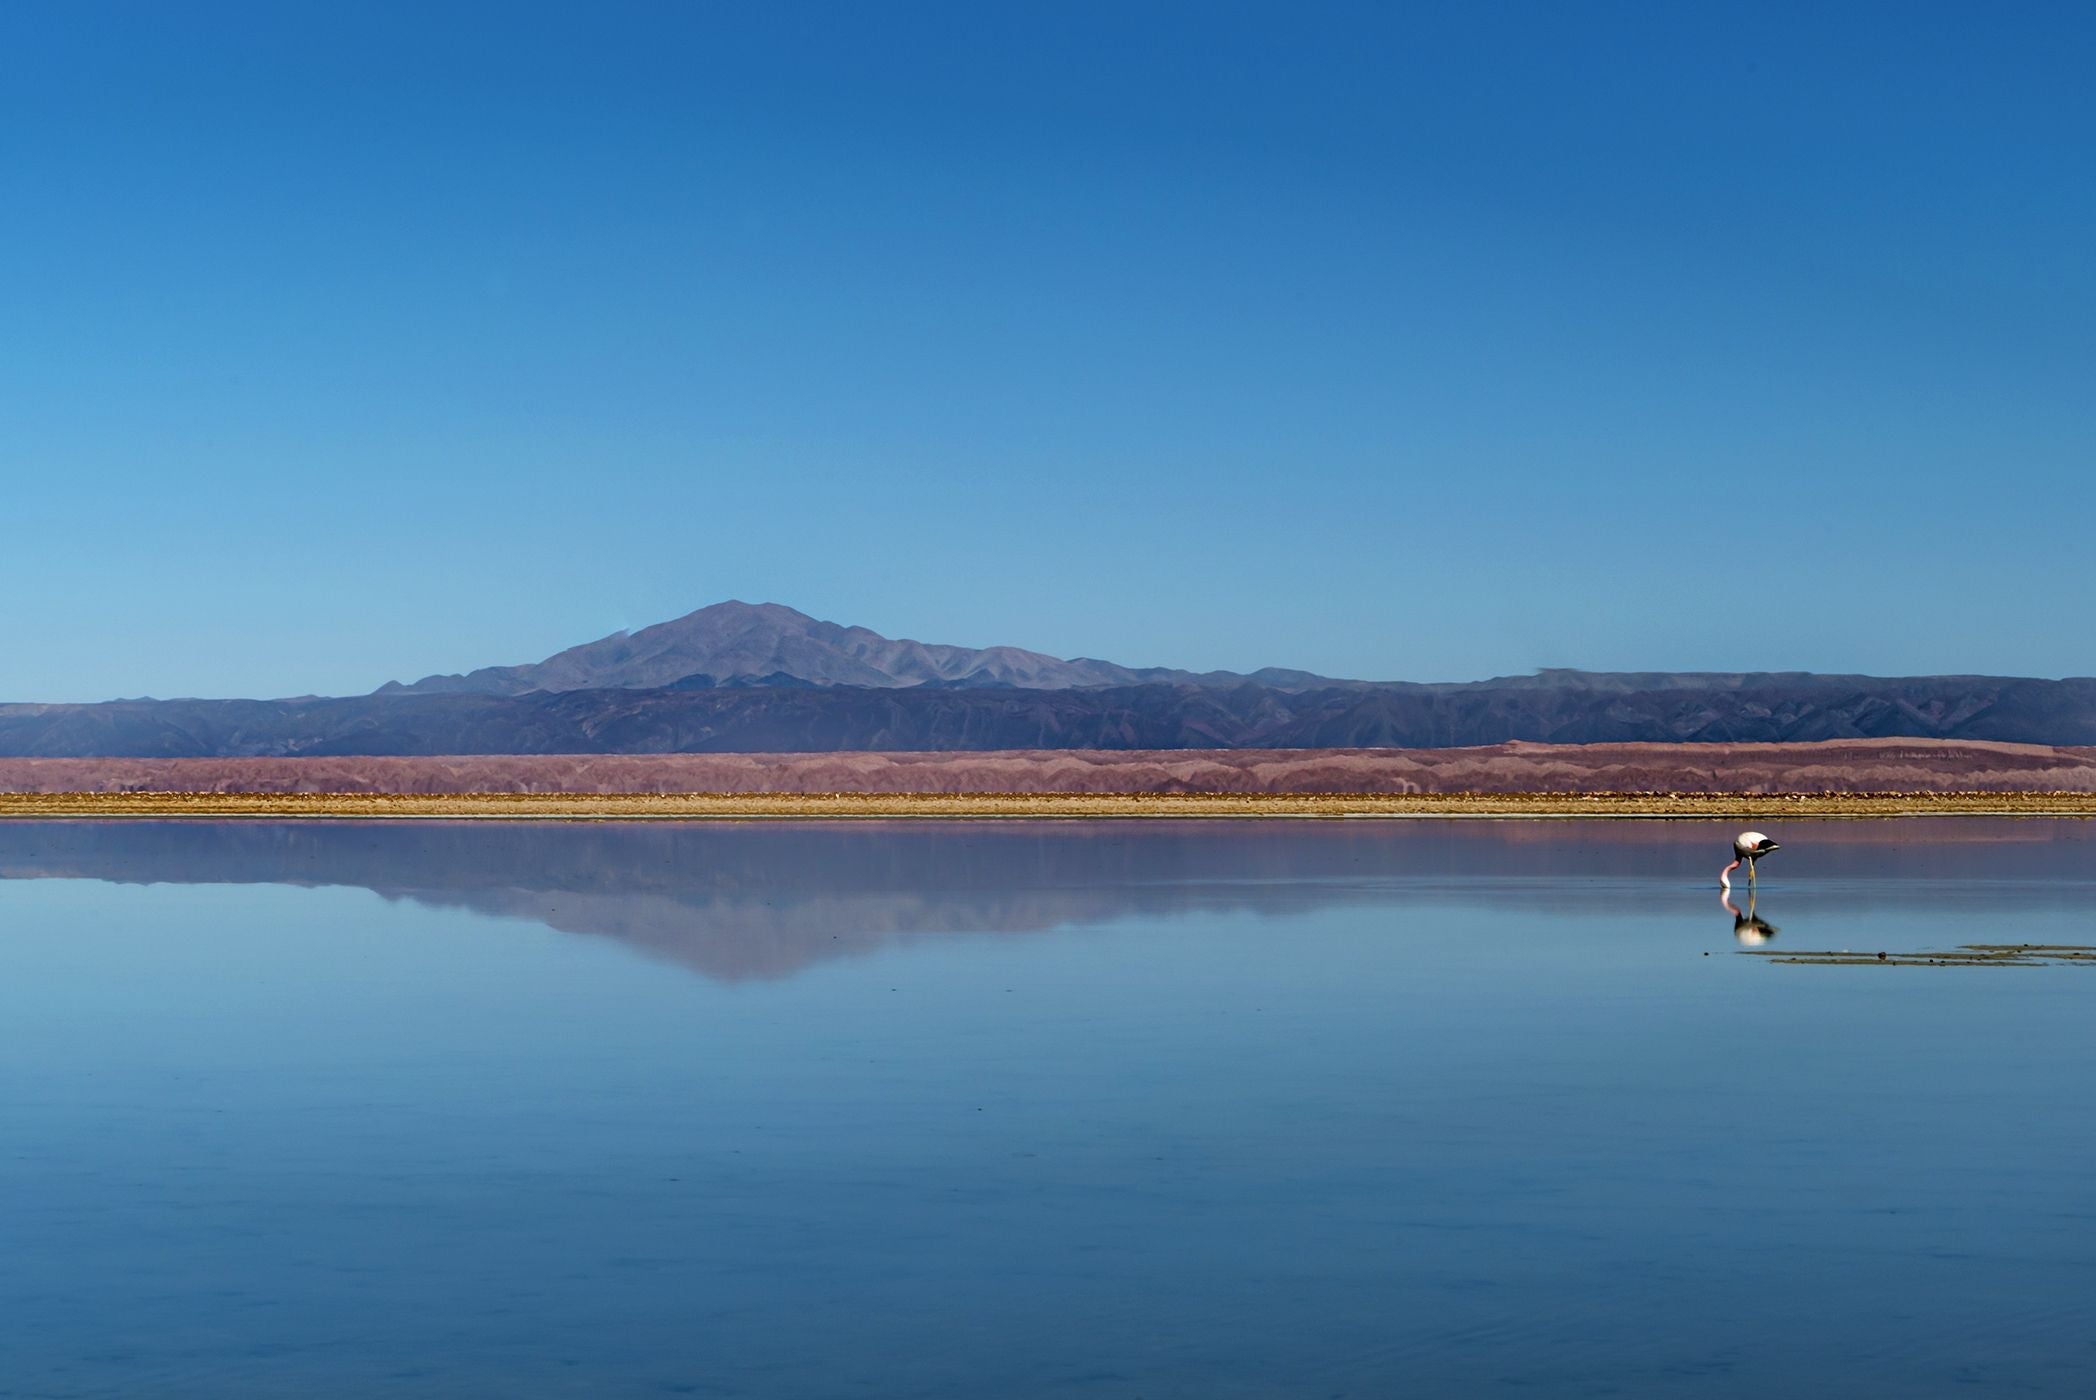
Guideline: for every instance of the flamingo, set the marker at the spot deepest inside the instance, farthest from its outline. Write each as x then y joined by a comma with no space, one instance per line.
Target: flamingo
1748,846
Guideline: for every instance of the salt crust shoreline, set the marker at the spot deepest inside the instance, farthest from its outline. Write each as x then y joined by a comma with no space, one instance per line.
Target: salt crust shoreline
893,806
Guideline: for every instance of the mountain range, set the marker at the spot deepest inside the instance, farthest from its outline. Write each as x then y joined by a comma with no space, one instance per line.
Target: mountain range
738,677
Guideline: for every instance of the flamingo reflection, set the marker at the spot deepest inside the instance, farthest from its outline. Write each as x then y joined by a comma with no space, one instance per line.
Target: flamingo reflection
1749,928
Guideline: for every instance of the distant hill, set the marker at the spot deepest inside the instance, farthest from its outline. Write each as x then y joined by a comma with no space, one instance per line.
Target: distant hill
1851,766
768,643
763,678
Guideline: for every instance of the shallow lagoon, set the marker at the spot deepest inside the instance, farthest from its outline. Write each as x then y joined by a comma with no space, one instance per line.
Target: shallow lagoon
1039,1109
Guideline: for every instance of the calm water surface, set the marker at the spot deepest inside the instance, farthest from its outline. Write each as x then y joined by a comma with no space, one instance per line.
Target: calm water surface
1039,1110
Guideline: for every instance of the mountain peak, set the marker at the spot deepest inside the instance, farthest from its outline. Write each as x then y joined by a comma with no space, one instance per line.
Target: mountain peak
735,641
735,608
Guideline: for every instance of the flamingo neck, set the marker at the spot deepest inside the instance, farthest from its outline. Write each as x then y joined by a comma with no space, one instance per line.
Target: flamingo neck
1725,875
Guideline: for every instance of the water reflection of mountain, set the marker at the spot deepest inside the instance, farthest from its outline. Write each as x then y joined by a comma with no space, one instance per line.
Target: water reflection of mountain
756,900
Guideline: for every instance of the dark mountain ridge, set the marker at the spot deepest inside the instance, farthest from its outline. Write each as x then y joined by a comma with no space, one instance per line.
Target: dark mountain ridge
764,678
737,644
804,719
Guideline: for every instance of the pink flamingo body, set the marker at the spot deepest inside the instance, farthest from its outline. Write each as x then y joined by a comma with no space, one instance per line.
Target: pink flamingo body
1748,846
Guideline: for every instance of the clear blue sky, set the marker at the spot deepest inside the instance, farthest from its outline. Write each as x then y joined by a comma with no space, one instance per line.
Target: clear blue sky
348,342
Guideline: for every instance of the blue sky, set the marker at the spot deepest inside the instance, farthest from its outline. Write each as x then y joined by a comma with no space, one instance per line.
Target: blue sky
345,343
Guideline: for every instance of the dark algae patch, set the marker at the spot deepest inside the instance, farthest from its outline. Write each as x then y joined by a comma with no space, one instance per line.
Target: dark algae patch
1967,955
